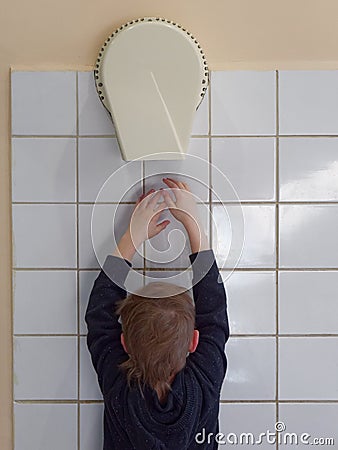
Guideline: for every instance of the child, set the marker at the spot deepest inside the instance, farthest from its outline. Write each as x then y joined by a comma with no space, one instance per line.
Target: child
161,372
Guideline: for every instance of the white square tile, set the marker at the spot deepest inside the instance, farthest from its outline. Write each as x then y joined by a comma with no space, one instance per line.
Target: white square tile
201,121
308,368
45,426
91,426
105,231
251,298
89,387
248,164
308,169
38,313
308,302
43,170
44,103
94,119
243,102
244,235
316,419
100,163
171,248
86,282
242,418
251,373
181,278
194,170
44,236
45,368
308,236
307,101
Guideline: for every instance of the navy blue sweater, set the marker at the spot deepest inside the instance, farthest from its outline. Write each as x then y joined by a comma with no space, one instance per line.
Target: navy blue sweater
133,422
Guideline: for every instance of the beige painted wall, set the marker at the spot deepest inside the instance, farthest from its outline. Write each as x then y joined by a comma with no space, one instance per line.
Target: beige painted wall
66,34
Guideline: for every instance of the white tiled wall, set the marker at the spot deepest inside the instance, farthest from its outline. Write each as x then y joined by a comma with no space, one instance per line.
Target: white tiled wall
272,188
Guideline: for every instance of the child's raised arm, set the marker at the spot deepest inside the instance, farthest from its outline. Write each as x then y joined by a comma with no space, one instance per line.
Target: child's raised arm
104,329
208,289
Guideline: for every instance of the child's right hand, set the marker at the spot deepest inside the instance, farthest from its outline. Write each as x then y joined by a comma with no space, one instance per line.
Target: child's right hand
185,208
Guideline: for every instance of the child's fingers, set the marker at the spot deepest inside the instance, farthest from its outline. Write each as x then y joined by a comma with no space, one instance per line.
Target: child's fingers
178,183
154,199
167,198
186,186
160,226
141,197
160,207
170,183
149,192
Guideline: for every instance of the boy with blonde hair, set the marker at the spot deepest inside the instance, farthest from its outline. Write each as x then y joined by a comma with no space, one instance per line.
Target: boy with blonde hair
161,367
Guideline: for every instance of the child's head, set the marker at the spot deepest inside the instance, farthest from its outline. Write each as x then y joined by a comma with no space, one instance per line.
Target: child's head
158,324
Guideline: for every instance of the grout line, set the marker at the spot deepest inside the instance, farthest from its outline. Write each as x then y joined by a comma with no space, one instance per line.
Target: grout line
89,402
143,243
61,136
236,335
77,260
277,247
11,350
201,136
209,202
209,167
238,269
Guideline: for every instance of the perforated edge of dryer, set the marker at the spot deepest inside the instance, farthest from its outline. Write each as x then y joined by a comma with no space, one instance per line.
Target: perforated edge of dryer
98,64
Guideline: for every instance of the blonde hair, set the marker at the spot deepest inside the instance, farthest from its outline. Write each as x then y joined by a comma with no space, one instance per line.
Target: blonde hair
157,331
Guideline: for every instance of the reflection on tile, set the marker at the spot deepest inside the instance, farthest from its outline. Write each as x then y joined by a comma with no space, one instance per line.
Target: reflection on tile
38,313
308,236
308,368
179,278
251,298
201,121
307,101
308,302
94,119
241,418
194,170
91,426
45,426
43,170
89,387
244,235
248,164
108,225
171,248
44,103
308,169
316,419
45,368
251,371
44,236
243,102
100,163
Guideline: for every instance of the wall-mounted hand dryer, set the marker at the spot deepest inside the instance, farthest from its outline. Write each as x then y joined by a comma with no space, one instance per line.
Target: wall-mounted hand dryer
151,75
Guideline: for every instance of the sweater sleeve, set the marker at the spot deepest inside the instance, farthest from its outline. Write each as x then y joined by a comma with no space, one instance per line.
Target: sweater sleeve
211,318
104,328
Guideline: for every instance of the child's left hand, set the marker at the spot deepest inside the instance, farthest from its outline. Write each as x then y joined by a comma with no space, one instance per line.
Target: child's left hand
143,223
